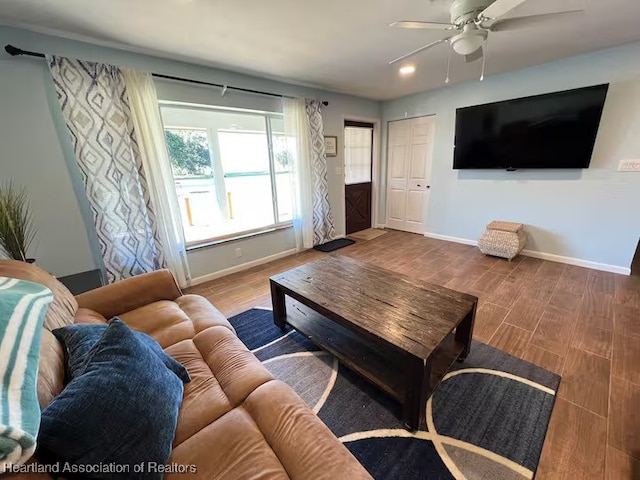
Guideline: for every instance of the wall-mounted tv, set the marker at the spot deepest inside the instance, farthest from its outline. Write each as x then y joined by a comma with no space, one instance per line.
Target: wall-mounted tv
556,130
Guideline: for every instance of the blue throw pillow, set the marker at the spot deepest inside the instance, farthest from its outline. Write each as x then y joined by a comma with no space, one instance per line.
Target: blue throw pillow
78,339
121,409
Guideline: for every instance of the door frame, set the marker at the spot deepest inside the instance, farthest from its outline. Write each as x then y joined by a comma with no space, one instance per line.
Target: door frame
375,167
386,193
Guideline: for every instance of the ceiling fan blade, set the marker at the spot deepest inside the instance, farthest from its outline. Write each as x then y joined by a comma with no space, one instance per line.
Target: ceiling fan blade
472,57
418,50
431,25
530,21
499,8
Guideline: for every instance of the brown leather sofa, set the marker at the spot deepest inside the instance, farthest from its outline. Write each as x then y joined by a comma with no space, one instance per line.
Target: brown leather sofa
236,421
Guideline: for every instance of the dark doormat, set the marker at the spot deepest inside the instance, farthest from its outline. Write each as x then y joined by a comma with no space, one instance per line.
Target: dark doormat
334,245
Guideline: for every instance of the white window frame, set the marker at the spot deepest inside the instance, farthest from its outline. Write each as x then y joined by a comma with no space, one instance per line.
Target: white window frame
268,117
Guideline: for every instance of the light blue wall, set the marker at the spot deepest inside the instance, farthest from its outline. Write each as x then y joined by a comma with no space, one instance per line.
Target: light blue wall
35,150
32,156
586,214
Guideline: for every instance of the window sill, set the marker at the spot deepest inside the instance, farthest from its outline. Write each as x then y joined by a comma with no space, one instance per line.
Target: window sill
237,237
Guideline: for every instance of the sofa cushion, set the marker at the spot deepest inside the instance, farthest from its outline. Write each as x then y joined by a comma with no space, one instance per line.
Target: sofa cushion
78,339
202,313
170,322
86,315
223,373
230,448
122,408
204,400
237,370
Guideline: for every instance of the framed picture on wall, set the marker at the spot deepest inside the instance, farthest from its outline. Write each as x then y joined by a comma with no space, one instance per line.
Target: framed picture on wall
331,146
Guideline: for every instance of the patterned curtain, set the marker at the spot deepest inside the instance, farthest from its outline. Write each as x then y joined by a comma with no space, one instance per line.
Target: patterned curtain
96,109
323,226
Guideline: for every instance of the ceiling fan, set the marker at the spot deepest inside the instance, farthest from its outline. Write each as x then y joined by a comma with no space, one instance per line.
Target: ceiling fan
474,20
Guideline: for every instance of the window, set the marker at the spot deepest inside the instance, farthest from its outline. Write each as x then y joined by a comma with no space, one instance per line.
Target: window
358,144
232,171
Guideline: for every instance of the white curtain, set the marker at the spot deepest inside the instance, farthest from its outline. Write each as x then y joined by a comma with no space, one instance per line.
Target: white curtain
149,129
313,221
298,133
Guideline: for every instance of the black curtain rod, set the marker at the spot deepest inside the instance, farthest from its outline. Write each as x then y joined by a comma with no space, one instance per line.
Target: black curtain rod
15,51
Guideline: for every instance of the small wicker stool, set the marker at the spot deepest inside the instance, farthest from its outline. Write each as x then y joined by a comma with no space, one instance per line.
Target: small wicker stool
503,239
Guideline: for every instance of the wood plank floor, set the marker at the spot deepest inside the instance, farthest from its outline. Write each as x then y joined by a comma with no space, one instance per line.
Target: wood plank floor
583,324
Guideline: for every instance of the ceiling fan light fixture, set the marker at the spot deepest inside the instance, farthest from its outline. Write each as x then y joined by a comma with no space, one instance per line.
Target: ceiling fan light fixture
468,41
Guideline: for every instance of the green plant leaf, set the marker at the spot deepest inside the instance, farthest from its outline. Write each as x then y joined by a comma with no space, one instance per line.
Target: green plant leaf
17,230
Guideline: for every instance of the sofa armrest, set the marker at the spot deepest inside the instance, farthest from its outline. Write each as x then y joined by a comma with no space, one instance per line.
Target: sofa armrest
131,293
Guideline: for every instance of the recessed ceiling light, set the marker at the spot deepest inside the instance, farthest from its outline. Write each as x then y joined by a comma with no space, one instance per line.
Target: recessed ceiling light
407,70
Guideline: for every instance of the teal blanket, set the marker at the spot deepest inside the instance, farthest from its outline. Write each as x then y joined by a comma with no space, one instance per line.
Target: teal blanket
22,309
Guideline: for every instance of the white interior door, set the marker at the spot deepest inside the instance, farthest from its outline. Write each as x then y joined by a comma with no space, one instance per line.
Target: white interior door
397,163
410,150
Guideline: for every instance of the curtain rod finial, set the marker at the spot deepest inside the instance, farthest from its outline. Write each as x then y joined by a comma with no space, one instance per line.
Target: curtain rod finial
11,50
325,103
15,51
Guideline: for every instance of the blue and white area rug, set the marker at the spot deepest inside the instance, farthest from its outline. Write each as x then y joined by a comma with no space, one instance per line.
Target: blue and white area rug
487,419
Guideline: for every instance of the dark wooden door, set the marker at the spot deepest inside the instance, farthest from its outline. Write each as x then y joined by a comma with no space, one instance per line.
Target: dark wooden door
358,206
358,172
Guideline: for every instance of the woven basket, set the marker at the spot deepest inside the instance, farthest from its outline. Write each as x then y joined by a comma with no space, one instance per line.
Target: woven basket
502,244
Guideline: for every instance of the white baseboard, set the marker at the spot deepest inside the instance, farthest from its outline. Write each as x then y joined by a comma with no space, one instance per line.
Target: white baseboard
241,267
446,238
381,225
605,267
545,256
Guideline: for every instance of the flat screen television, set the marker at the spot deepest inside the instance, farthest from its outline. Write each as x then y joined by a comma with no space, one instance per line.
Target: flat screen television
556,130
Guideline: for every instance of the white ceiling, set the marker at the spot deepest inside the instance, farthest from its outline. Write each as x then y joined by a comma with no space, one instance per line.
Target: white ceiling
339,45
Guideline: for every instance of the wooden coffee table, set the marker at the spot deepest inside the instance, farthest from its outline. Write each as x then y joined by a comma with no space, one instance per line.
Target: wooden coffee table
400,333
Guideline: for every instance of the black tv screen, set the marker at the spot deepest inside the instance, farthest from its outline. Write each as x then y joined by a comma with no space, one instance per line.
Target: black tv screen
557,130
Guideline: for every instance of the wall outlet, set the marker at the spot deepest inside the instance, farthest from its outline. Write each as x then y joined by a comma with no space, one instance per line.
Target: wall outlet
238,252
338,170
629,166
